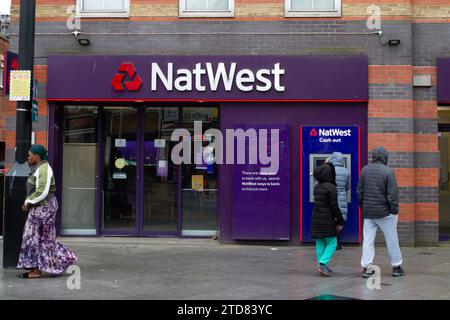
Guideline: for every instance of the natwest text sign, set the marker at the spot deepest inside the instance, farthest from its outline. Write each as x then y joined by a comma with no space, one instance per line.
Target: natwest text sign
207,78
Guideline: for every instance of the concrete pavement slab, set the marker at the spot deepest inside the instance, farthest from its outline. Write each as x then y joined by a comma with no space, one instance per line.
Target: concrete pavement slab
148,268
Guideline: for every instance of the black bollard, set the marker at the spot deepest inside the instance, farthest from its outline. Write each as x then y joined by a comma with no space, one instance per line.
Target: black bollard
14,219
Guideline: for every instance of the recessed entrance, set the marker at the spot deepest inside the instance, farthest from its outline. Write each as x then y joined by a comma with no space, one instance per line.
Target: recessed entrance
118,177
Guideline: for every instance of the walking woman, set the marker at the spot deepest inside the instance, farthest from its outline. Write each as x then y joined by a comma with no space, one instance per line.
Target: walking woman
326,220
40,252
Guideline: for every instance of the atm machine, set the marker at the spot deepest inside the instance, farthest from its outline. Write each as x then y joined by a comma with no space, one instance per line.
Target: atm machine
317,143
316,160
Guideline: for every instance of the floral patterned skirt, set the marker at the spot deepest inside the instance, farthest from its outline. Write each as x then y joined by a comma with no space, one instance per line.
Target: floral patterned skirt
39,246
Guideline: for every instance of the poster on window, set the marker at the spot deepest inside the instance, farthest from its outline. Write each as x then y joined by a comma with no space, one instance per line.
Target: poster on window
197,182
162,168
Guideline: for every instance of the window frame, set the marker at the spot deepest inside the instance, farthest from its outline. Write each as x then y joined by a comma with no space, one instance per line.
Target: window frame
103,13
184,13
290,13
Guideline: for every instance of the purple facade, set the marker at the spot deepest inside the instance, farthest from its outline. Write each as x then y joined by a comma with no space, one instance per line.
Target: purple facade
313,90
443,80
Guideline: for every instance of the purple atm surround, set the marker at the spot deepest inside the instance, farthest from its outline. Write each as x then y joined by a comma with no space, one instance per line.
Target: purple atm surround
350,146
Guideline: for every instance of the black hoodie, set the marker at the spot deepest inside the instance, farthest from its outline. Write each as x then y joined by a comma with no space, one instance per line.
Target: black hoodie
326,214
377,187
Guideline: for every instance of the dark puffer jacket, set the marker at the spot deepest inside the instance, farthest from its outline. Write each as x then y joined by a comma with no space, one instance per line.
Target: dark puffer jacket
326,214
377,187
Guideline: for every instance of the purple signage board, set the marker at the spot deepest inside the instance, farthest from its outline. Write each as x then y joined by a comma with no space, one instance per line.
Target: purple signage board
261,201
443,80
207,78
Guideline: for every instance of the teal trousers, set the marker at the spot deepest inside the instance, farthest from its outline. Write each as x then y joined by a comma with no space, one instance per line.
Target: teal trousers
325,249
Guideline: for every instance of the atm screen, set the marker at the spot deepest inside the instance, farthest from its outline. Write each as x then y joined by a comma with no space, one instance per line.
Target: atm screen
319,162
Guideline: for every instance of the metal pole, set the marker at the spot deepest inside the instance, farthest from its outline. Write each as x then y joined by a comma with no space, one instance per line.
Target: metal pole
15,184
26,62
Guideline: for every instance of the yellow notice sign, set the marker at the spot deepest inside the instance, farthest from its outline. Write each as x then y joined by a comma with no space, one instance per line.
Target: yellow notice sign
20,85
197,182
120,163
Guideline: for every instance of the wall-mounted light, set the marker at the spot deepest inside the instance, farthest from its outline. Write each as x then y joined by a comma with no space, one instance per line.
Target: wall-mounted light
391,42
84,42
81,41
394,42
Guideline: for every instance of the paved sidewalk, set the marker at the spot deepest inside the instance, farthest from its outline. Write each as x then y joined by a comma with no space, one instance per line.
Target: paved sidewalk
137,268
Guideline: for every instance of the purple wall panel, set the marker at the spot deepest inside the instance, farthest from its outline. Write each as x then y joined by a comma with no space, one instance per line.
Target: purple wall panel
262,212
443,76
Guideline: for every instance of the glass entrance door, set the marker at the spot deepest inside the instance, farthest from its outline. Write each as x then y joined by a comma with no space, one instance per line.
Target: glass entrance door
79,171
199,179
120,168
143,193
160,175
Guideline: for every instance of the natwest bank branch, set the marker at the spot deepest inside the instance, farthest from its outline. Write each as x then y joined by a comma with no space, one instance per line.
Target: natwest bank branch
113,120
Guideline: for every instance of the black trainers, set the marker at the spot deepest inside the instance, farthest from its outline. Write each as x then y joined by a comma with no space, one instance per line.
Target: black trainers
329,270
323,269
367,274
398,271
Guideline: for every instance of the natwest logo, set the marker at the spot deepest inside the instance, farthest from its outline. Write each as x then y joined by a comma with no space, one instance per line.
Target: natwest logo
202,77
127,68
335,133
313,133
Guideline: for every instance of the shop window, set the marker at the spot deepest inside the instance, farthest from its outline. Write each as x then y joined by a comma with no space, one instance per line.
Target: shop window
79,171
206,8
103,8
313,8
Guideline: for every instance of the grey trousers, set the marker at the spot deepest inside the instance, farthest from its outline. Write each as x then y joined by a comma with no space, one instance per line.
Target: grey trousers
388,226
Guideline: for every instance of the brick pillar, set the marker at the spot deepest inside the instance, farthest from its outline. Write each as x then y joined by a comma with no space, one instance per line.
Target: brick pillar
426,178
391,125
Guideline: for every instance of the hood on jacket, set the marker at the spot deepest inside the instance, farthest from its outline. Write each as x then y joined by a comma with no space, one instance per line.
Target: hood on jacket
337,159
325,173
380,155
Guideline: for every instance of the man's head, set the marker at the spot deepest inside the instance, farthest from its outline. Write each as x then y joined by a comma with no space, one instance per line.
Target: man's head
380,154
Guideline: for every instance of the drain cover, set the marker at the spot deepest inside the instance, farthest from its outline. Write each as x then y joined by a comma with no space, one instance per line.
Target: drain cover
331,297
427,253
